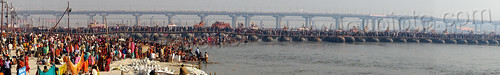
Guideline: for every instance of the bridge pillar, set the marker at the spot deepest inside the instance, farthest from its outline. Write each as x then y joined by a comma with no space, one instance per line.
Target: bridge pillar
496,29
91,16
234,19
308,20
104,15
247,19
287,23
151,22
481,27
400,22
435,25
202,18
306,24
137,18
170,18
57,15
423,23
25,18
378,20
278,21
363,23
475,27
338,21
374,24
455,28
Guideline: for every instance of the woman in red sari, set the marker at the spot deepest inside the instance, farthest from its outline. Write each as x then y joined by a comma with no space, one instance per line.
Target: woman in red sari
58,50
108,62
26,59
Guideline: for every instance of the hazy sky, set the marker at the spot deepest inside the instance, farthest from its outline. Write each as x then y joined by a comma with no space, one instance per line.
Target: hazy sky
434,8
428,7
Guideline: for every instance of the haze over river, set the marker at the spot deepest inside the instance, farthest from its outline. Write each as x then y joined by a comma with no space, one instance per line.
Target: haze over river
325,58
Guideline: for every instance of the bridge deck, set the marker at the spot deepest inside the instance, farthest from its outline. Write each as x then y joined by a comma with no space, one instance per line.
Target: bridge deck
262,35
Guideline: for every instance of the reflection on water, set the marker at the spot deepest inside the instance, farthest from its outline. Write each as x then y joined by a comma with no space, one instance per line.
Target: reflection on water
324,58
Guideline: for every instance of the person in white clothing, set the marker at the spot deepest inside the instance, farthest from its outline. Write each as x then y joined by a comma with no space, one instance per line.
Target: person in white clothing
153,56
10,48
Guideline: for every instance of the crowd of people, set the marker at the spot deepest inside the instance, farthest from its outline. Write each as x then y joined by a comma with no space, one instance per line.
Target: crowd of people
83,54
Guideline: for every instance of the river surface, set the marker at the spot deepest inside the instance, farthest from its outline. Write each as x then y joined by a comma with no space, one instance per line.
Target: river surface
325,58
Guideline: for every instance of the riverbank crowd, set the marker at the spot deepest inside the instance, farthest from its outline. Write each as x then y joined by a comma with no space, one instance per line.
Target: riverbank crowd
88,54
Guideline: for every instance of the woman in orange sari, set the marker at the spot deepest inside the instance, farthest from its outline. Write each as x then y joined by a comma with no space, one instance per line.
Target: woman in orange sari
85,64
74,69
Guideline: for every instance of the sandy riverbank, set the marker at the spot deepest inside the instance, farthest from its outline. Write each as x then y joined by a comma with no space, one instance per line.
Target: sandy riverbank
171,65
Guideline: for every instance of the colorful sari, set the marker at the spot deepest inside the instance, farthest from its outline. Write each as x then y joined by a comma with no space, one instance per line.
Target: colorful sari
73,68
51,71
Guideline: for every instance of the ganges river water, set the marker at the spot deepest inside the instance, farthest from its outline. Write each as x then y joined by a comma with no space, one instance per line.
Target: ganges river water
325,58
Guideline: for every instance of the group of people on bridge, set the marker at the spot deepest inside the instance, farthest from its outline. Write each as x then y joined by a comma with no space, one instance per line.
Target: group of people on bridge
277,32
